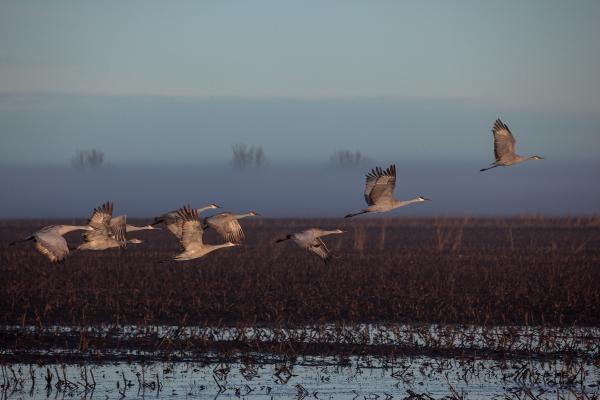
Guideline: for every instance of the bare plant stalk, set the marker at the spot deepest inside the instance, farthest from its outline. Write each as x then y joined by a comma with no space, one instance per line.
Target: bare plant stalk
511,239
360,237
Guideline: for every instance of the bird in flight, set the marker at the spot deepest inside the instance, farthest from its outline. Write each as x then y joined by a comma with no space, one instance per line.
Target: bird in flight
504,147
310,240
228,225
173,222
107,232
379,190
191,236
50,241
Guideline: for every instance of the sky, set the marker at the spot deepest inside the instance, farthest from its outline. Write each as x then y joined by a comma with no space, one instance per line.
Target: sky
542,53
290,75
176,84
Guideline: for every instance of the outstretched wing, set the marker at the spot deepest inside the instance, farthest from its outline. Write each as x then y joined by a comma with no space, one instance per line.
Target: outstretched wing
504,141
118,228
380,184
172,222
318,247
101,216
53,246
100,221
191,230
227,226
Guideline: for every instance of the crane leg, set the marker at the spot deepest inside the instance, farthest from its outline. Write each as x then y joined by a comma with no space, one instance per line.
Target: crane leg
355,214
21,241
485,169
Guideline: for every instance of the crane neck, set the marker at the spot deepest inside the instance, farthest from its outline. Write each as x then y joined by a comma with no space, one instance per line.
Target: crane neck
240,216
131,228
402,203
334,232
64,229
227,244
201,209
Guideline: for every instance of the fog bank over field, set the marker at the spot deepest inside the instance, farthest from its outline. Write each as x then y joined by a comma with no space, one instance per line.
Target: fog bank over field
302,190
48,129
161,152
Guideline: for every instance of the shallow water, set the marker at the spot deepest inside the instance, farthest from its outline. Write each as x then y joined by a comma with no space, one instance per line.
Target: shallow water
492,362
505,339
321,377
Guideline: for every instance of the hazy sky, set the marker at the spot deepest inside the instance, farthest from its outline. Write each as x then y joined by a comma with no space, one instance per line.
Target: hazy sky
455,189
162,85
402,80
540,53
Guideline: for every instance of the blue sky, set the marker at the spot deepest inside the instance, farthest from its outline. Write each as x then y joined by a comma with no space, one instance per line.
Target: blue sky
536,53
420,80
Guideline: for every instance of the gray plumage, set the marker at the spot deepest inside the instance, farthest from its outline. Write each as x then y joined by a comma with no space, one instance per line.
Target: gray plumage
379,191
310,240
505,147
228,225
132,228
191,236
174,223
107,232
50,242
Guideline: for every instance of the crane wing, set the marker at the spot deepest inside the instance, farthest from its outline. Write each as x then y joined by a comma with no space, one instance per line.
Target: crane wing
101,216
504,141
191,229
172,222
100,221
227,226
118,228
380,184
95,235
53,246
318,247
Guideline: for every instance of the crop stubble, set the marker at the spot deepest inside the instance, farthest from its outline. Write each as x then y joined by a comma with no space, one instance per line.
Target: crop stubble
522,271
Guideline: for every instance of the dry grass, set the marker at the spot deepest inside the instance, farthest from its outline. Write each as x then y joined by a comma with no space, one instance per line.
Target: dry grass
525,271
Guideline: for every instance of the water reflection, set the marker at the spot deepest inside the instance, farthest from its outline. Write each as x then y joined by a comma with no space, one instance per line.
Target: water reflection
307,377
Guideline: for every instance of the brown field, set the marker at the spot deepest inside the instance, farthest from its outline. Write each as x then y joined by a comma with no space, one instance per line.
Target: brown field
523,271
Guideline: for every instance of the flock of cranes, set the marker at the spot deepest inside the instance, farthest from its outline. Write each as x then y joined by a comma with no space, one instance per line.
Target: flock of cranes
103,231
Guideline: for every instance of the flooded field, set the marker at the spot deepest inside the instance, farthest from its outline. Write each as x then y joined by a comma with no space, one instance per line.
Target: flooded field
408,308
322,362
189,343
319,378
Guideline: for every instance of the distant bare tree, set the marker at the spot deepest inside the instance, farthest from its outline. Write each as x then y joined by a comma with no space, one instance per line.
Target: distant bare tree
347,158
248,156
88,159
